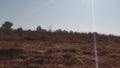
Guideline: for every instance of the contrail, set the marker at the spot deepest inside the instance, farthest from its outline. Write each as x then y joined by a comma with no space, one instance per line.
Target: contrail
47,4
94,34
36,10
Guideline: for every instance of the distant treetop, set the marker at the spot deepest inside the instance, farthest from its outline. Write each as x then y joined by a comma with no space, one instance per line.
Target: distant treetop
7,25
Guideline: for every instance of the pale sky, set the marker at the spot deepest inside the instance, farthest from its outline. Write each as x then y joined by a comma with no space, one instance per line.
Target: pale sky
73,15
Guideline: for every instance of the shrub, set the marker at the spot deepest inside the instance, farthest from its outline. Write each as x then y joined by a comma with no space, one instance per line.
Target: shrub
7,25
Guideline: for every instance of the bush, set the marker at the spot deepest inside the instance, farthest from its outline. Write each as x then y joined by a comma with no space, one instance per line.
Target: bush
19,29
7,25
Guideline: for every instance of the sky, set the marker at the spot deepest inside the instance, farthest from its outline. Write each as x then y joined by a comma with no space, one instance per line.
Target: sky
75,15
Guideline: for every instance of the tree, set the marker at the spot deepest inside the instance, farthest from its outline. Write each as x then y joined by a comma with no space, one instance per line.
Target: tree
7,25
39,28
65,31
19,29
58,30
71,32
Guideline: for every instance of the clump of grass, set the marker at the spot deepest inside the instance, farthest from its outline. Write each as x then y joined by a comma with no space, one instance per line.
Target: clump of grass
64,50
10,51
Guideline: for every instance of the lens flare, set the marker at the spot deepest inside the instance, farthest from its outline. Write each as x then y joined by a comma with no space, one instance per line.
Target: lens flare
94,34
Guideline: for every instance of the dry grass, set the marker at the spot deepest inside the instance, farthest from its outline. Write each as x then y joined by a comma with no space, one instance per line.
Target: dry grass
30,49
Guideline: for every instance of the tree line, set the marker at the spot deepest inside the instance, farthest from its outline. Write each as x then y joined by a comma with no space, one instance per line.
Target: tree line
8,26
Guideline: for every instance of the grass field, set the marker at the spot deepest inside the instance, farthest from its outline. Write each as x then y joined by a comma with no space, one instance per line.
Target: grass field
32,49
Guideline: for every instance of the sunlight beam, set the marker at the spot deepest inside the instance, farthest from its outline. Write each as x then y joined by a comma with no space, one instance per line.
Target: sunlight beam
94,34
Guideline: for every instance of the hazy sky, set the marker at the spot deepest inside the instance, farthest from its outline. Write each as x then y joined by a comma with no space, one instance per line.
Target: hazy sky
73,15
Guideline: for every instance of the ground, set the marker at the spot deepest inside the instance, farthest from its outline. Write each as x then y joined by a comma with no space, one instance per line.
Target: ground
31,49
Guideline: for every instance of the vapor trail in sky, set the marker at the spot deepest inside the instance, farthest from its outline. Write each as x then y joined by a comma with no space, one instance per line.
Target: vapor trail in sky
44,5
49,2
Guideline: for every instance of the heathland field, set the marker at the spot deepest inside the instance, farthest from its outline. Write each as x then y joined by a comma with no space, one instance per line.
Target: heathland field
33,49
